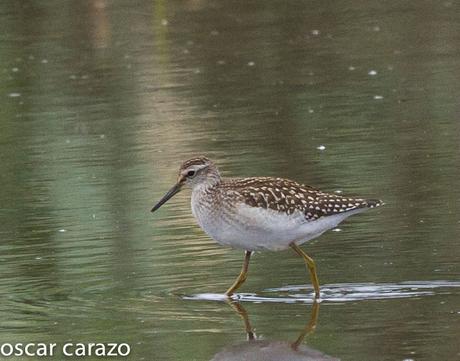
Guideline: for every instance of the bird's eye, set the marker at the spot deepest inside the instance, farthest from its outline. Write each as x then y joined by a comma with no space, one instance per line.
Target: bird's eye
190,173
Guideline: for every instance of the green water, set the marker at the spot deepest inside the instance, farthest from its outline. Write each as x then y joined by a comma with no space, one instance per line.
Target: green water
100,102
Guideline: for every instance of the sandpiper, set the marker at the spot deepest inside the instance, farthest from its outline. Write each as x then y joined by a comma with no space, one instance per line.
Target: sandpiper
261,213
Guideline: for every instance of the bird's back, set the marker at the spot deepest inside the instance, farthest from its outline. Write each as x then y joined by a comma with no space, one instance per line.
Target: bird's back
287,196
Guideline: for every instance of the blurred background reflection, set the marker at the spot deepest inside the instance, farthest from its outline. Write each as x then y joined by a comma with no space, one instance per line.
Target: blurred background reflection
100,101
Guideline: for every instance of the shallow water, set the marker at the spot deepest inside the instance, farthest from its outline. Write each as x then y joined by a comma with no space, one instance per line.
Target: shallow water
101,101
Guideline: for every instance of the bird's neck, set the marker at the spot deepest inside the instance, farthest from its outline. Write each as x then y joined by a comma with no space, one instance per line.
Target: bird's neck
204,189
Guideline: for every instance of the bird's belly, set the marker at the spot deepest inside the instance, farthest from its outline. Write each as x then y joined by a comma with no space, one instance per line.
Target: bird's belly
236,235
252,228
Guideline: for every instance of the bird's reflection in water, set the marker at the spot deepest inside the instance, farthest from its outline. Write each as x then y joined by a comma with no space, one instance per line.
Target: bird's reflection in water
271,350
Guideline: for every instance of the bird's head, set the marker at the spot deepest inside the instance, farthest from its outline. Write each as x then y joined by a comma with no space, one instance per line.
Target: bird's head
195,172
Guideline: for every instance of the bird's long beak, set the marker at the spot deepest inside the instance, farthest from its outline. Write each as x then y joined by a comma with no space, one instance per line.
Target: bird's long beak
177,187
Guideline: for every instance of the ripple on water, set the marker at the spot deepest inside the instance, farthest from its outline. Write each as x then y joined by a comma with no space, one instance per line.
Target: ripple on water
340,292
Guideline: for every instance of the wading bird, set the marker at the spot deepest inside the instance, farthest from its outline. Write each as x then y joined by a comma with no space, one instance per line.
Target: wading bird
261,213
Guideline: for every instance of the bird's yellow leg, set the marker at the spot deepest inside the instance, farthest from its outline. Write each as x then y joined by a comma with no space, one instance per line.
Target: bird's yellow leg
242,276
311,267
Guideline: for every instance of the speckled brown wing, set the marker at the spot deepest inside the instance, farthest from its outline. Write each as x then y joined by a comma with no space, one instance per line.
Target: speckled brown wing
287,196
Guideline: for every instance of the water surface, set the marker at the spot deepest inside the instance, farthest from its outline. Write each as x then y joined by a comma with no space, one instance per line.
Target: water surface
100,103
